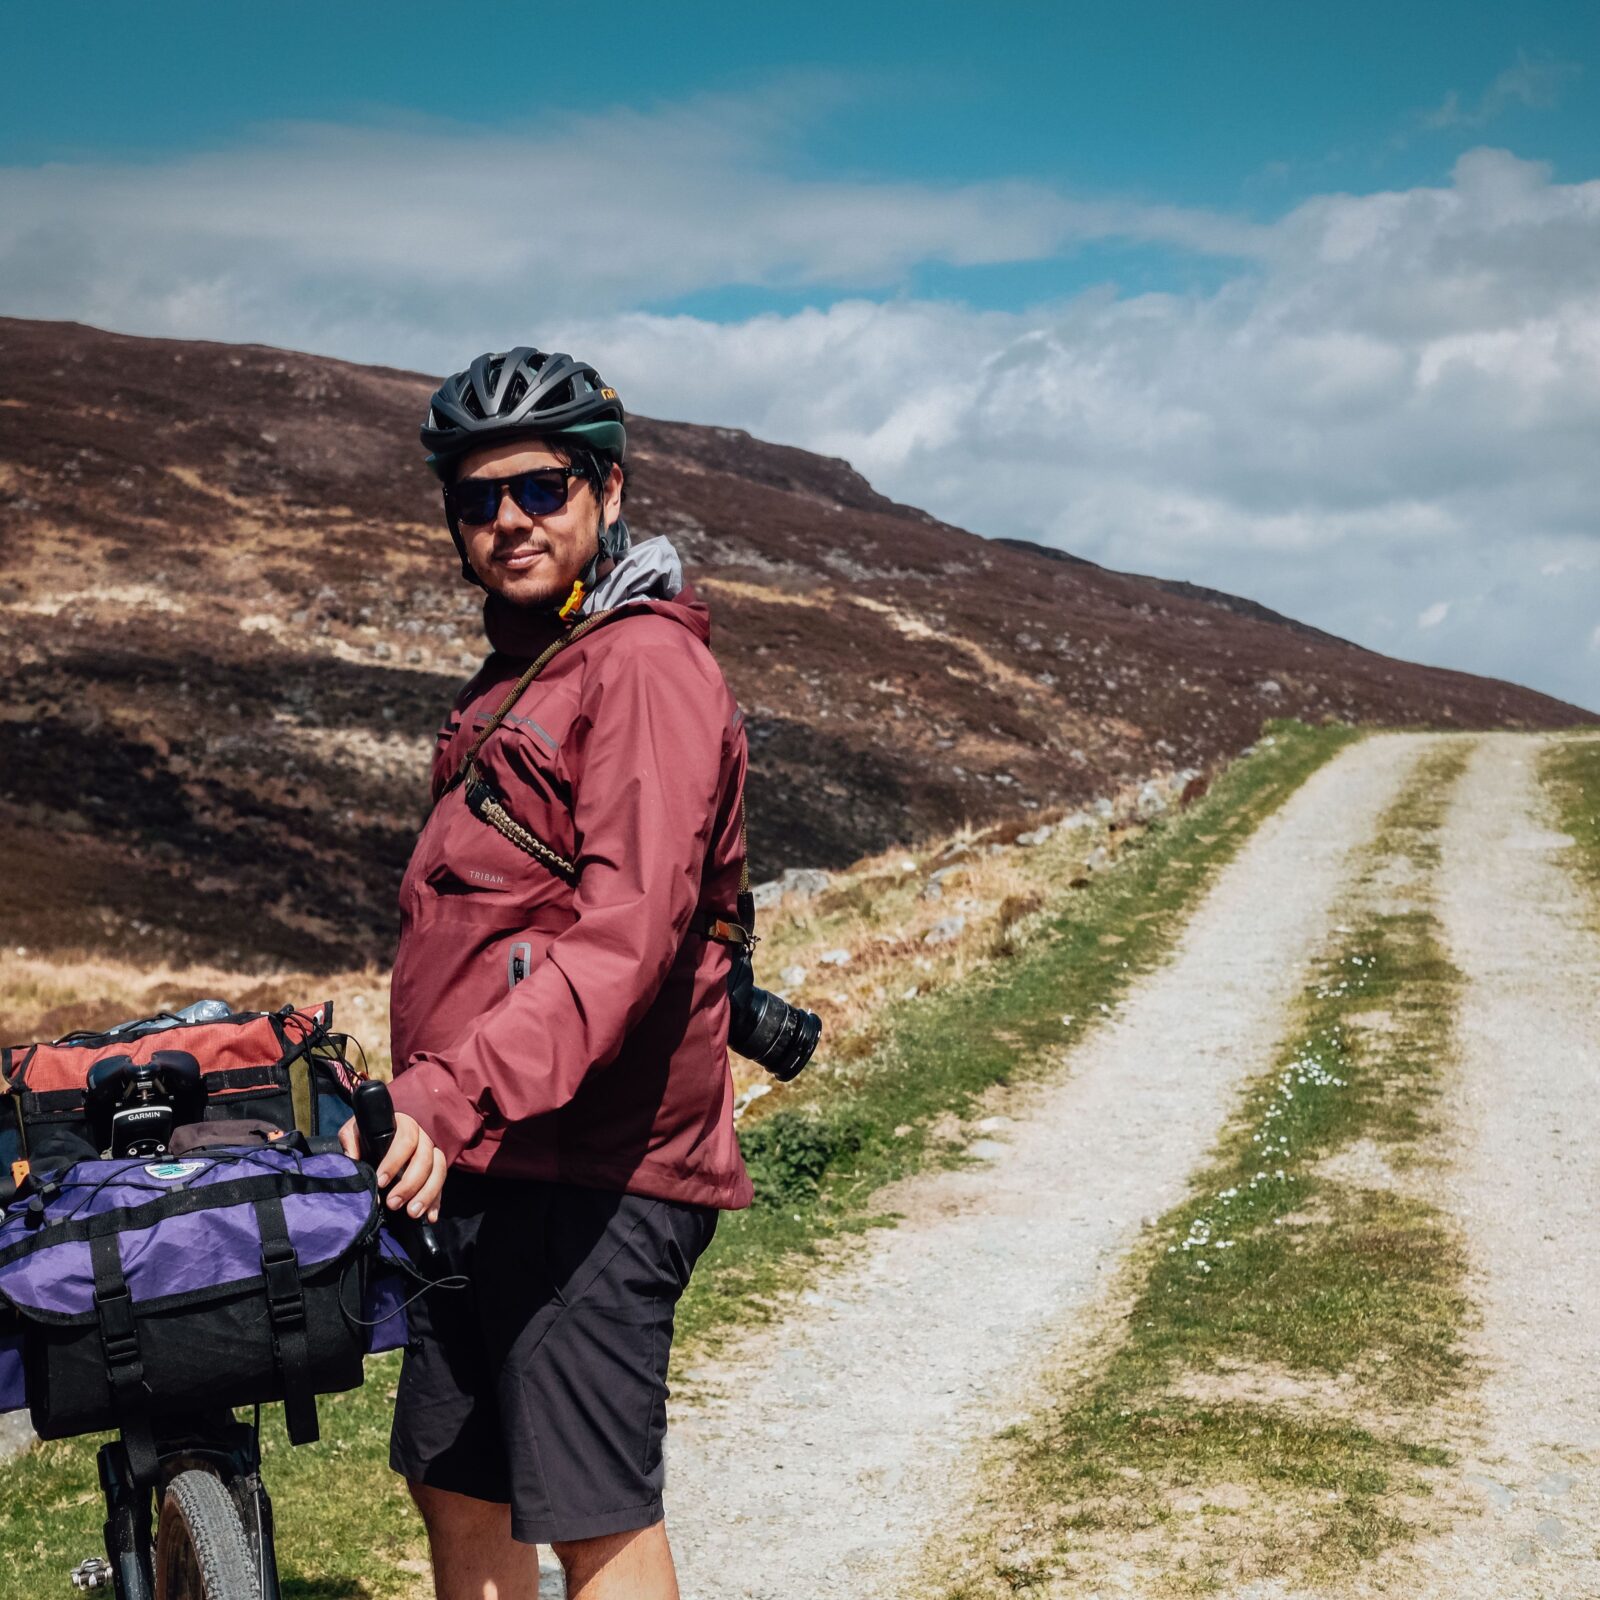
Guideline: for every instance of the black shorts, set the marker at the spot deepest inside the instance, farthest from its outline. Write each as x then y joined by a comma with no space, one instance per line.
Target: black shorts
543,1384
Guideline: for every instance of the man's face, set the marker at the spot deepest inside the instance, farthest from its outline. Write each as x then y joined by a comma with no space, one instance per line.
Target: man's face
533,560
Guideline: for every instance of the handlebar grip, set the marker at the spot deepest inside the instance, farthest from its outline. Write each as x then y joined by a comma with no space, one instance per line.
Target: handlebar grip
374,1120
375,1123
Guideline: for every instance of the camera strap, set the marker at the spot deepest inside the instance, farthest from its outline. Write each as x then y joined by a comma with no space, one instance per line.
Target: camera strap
469,763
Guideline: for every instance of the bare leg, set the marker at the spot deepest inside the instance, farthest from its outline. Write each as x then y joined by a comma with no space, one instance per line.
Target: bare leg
618,1566
474,1555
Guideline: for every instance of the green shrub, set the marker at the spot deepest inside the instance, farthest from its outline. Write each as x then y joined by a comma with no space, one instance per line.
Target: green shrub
790,1152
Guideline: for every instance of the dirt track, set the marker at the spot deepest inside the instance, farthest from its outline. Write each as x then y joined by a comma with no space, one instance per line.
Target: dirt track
818,1459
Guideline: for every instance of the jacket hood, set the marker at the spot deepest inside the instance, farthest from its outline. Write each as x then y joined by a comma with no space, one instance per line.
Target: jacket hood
649,576
650,570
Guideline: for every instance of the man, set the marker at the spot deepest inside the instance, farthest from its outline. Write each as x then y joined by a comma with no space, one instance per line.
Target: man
560,1002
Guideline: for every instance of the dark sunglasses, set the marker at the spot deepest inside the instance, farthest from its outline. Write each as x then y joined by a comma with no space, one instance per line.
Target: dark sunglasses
536,493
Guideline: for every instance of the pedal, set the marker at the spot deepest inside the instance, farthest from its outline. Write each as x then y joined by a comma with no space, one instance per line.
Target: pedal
95,1573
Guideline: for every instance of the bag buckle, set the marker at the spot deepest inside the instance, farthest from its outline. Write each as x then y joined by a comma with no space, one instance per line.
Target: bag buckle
286,1304
119,1333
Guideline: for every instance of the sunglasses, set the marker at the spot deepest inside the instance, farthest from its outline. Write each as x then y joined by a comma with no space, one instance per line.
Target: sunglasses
536,493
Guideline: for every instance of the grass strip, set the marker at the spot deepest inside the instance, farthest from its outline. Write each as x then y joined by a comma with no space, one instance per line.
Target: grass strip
1569,769
345,1525
1263,1413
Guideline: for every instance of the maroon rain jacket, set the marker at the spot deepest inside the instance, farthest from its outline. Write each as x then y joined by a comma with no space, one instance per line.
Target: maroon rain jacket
581,1034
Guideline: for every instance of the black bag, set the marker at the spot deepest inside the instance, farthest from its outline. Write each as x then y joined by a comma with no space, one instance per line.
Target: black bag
150,1290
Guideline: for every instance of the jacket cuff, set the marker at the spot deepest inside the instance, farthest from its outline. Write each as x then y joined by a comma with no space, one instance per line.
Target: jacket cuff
427,1092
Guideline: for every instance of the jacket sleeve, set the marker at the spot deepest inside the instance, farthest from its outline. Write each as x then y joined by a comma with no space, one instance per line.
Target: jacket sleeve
647,770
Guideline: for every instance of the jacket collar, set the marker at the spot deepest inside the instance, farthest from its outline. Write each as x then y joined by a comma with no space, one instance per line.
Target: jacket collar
648,577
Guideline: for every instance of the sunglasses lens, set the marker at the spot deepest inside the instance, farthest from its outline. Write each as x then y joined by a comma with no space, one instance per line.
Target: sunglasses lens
475,499
540,493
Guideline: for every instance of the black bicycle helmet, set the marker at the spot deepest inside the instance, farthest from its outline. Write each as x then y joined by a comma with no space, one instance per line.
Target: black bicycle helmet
522,394
527,394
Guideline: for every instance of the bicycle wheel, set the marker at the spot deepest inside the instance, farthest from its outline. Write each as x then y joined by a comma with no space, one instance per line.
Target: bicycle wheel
202,1552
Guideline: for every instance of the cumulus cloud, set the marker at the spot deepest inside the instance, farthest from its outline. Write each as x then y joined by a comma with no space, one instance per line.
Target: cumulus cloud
1393,396
1401,396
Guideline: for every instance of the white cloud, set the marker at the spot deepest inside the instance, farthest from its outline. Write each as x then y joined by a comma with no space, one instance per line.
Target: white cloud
345,238
1394,396
1402,397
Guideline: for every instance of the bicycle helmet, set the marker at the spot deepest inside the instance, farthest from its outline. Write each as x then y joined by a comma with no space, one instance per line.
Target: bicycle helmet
522,394
528,394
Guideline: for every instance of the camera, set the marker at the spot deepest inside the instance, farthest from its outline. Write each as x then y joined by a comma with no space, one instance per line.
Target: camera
764,1028
133,1106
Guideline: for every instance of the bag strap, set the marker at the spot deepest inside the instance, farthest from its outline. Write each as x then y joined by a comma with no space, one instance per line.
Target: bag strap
119,1340
286,1310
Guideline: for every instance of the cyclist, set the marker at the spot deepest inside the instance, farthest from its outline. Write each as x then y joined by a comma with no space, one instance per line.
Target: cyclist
559,999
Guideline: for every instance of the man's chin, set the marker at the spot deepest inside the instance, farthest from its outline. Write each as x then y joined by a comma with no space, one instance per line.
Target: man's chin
525,588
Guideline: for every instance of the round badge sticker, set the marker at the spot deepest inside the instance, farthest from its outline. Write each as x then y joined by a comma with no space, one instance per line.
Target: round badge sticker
174,1171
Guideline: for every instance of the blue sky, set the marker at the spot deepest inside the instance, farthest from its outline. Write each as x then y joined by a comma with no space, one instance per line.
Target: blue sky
1301,298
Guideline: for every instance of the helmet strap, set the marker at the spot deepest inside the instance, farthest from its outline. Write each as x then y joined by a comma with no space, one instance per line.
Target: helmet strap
461,545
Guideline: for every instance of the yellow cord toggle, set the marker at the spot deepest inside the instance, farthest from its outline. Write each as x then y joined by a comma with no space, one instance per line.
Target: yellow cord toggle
573,600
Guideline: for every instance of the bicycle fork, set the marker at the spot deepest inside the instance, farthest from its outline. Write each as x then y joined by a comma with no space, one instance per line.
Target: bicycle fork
127,1530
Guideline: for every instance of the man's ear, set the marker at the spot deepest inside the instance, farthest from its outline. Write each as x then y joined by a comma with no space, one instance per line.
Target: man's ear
612,502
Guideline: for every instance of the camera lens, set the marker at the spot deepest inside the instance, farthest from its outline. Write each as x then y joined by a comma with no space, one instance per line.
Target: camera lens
766,1029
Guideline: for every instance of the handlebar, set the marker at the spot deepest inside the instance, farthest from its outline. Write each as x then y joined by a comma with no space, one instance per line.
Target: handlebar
375,1124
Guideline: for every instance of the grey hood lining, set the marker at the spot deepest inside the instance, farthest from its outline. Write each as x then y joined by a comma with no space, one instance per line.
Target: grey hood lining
651,570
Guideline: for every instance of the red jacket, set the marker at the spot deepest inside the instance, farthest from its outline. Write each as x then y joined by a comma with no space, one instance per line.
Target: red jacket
581,1034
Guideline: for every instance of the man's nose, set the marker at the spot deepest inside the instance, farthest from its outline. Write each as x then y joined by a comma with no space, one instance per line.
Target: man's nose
509,517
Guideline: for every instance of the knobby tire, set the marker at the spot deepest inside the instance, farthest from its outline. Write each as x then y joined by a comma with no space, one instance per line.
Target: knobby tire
202,1551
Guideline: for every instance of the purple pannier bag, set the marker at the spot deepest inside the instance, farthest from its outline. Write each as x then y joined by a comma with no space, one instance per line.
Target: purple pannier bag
147,1291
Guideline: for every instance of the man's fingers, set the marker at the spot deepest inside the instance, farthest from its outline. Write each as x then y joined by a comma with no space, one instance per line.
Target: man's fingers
428,1197
406,1134
419,1169
350,1140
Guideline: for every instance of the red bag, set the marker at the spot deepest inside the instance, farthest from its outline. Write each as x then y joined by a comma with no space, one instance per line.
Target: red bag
284,1067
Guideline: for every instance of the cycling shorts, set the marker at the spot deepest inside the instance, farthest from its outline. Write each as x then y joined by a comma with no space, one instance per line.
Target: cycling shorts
543,1384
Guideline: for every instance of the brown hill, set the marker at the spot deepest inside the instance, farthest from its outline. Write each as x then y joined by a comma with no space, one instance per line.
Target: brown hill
229,623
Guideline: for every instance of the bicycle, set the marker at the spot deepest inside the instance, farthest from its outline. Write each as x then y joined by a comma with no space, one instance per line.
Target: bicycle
204,1529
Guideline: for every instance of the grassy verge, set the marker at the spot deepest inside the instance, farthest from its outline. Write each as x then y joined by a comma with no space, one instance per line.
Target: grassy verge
1570,772
345,1526
1264,1408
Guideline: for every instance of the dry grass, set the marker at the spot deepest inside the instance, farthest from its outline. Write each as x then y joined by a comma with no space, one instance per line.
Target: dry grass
879,914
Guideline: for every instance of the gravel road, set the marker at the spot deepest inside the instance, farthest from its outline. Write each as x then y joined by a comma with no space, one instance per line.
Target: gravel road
1527,1186
817,1457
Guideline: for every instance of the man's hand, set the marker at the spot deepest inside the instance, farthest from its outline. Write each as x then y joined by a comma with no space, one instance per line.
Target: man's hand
413,1156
